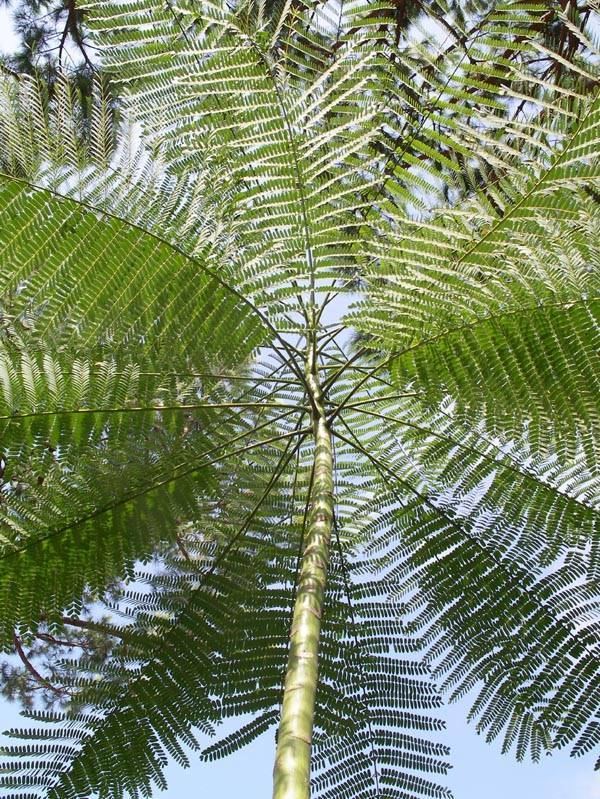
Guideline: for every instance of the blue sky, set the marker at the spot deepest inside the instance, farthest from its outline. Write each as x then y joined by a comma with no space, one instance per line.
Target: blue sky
479,772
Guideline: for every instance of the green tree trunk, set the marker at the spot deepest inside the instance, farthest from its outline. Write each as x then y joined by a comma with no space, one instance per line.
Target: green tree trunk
291,774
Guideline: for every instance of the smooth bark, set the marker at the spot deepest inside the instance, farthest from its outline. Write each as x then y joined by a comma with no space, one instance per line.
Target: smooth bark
291,774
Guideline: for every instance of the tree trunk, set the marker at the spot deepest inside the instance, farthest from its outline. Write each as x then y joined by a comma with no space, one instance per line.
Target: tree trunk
291,774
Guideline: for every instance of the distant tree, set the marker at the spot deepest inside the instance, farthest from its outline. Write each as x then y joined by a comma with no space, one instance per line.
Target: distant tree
52,40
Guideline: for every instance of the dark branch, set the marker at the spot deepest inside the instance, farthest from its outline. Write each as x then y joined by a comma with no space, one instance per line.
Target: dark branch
33,671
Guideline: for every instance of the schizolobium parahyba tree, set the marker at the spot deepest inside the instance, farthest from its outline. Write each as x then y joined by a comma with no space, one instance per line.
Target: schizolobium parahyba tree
326,342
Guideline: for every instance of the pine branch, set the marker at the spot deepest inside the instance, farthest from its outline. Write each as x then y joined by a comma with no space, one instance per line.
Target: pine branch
33,671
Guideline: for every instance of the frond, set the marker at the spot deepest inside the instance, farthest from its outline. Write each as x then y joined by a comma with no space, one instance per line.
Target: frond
376,728
102,462
80,277
533,506
286,155
186,665
494,303
493,551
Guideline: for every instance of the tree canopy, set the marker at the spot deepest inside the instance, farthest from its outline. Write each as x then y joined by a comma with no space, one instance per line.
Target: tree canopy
299,392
